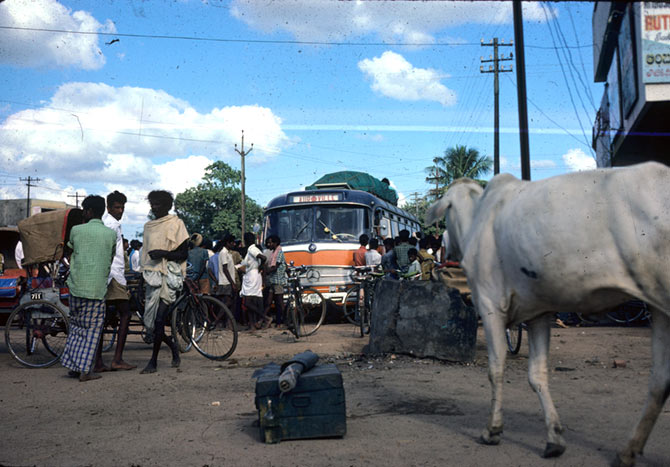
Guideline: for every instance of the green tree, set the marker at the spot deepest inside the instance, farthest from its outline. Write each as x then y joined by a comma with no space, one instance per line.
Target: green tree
213,207
457,162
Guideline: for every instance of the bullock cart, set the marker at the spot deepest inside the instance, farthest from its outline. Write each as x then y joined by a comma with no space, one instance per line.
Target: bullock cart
36,330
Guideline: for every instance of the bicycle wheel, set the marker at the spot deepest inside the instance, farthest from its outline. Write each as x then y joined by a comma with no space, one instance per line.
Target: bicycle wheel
627,313
181,324
35,333
310,311
214,328
350,305
513,336
365,320
291,315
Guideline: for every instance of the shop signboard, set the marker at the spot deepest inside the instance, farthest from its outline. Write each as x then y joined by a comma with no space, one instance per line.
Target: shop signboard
655,34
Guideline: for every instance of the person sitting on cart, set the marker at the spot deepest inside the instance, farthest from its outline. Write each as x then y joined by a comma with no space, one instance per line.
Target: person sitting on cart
163,266
93,248
117,290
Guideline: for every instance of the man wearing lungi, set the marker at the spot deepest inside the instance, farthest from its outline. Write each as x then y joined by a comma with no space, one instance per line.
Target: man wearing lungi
163,265
93,247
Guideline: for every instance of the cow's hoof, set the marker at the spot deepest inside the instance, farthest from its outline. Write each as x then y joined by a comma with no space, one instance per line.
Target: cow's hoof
621,462
553,450
490,439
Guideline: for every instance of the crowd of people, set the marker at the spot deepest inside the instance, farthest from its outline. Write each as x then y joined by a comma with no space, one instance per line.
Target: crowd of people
403,257
248,278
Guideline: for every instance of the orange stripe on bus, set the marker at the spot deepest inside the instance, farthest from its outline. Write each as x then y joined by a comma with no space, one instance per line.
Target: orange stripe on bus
321,258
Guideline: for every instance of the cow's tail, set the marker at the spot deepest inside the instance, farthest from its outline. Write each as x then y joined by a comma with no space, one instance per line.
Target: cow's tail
436,210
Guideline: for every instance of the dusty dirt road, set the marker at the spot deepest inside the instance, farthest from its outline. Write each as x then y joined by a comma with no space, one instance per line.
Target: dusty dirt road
400,411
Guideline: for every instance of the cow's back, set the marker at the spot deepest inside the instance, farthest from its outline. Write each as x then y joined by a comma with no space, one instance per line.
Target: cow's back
580,241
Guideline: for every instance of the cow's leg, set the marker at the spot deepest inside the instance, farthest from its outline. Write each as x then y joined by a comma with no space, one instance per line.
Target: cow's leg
494,328
659,389
538,344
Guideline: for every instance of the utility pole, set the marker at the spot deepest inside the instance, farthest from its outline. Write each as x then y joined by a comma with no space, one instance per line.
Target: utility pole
521,90
415,200
242,153
76,198
435,178
495,69
28,180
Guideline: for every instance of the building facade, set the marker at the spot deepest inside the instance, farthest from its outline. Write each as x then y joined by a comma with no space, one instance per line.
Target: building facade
13,210
631,55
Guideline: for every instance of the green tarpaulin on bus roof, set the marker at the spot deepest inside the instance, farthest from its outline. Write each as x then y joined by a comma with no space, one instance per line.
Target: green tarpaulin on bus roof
356,181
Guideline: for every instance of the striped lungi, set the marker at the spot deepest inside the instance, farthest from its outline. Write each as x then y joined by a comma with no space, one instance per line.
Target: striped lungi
87,317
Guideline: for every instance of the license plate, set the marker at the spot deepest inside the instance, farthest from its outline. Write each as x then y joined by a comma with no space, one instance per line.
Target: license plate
36,295
311,299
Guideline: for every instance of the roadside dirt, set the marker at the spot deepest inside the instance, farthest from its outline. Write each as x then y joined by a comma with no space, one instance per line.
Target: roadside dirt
401,411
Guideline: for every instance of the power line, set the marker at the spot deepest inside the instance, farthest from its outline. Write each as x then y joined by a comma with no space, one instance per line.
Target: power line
267,41
244,41
567,83
551,119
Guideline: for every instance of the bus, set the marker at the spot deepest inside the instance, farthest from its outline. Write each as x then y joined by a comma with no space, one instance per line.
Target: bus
320,228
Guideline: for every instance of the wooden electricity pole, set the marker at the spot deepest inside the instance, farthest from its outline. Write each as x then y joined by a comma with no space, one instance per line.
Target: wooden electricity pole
495,69
521,90
242,153
76,196
28,180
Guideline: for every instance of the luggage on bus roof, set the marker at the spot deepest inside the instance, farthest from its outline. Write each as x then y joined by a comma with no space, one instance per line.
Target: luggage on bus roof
356,181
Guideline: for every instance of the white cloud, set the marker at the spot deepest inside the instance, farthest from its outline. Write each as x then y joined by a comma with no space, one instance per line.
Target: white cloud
507,164
26,48
578,160
129,139
409,22
96,130
393,76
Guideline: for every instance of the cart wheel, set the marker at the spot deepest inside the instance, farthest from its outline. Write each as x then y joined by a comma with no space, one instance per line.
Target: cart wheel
35,333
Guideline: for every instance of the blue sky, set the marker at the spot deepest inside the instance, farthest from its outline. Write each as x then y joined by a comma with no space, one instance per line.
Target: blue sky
317,85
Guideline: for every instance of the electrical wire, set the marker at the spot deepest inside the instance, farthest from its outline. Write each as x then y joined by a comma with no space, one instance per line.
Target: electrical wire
243,41
572,101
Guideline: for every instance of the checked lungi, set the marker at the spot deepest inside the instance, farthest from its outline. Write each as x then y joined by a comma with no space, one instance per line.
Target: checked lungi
87,317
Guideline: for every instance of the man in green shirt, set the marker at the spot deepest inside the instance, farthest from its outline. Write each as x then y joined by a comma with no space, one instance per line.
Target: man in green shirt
93,246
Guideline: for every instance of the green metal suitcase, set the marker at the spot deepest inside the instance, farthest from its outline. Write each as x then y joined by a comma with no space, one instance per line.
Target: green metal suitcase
315,408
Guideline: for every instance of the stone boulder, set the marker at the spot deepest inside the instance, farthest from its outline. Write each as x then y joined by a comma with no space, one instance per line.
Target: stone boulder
423,319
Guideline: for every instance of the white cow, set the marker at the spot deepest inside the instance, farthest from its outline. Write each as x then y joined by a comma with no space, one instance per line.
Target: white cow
581,242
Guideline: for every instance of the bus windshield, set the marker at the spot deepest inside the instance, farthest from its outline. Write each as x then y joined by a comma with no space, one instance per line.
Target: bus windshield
331,223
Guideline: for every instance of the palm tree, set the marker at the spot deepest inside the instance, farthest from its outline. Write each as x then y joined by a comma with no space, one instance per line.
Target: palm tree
457,162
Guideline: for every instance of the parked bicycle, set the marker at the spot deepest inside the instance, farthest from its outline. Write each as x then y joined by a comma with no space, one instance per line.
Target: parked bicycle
514,335
629,313
357,305
203,322
305,306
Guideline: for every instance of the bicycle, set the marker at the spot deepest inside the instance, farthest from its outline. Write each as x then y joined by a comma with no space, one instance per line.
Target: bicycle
203,322
629,313
514,336
358,308
305,306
